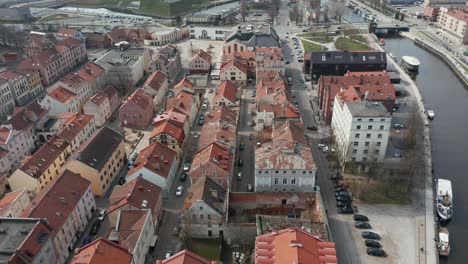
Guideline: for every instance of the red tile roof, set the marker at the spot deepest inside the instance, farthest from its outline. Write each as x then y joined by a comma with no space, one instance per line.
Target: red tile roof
110,91
58,200
66,32
5,134
459,14
130,227
293,245
223,134
62,95
74,125
98,98
215,154
169,128
157,158
25,118
235,63
226,89
69,43
184,83
10,75
40,161
173,116
102,251
222,114
291,131
8,199
156,80
284,154
134,193
141,99
181,102
203,55
90,71
39,61
185,257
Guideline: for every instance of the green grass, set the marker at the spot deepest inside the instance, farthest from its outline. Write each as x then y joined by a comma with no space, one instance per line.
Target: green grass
347,32
312,34
207,248
123,3
358,38
162,8
57,17
343,43
383,192
308,46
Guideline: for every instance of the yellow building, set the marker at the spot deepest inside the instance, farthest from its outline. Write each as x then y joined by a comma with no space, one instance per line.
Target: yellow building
101,160
42,167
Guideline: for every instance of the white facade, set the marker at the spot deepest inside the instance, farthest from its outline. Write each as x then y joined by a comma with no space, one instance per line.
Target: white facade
56,107
361,129
82,90
234,74
454,22
202,221
19,144
16,207
144,241
160,38
6,99
212,33
100,110
156,179
19,88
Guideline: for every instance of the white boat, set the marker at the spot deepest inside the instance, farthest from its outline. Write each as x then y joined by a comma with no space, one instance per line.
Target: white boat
443,244
430,114
444,199
410,63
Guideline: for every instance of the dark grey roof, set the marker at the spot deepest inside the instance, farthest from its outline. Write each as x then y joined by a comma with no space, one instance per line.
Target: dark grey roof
367,109
100,149
265,36
212,193
348,57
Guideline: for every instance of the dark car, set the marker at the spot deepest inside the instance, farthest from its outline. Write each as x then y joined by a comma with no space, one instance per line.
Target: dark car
122,180
241,146
341,193
183,177
376,252
372,243
314,128
343,203
361,218
362,225
240,163
201,121
87,240
340,189
370,235
95,228
335,177
345,210
343,198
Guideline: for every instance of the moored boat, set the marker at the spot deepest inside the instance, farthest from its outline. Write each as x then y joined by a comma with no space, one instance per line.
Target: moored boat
444,200
443,244
382,42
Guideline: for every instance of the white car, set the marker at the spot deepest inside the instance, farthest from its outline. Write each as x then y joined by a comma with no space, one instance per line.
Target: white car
102,214
168,254
179,191
186,167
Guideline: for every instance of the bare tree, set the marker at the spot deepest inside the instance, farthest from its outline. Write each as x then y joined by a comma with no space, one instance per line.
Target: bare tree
293,14
336,9
120,78
186,230
243,10
340,151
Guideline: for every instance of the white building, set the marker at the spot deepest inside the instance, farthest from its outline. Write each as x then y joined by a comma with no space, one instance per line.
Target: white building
98,106
455,22
361,129
61,100
163,37
14,203
18,86
212,33
6,99
17,142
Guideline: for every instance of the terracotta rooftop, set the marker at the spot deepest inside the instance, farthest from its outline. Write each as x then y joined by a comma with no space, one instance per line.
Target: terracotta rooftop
459,14
284,154
40,161
169,128
156,80
98,98
10,75
130,227
90,71
74,126
110,91
8,199
62,95
135,193
5,135
157,158
185,257
24,118
58,200
233,63
172,116
280,111
39,61
291,131
227,90
74,81
182,102
69,43
183,84
215,154
293,245
101,148
203,55
222,114
142,99
222,133
66,32
101,251
207,190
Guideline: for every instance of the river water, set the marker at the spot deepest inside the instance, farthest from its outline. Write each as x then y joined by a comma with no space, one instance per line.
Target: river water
447,96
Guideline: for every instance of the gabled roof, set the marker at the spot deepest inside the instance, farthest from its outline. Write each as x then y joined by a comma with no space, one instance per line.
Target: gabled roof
223,134
69,43
10,75
62,95
102,251
226,89
141,99
185,83
181,102
169,128
233,63
284,154
221,114
203,55
110,91
173,116
135,193
74,125
130,227
98,98
90,71
215,154
157,158
6,201
101,148
185,257
207,190
58,200
156,80
292,131
39,61
293,245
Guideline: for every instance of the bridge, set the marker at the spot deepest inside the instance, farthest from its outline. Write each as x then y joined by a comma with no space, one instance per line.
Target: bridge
389,27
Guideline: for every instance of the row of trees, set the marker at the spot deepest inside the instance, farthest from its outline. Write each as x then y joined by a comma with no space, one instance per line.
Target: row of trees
11,37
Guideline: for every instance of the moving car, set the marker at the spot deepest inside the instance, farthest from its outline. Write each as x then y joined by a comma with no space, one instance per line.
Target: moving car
361,218
372,243
183,177
102,214
362,225
370,235
240,162
179,190
376,252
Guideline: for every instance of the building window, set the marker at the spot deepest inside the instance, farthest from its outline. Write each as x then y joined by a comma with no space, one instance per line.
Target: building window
356,135
382,120
358,127
381,127
293,181
201,208
208,216
259,172
294,172
276,181
371,120
353,159
368,135
369,127
354,151
201,217
359,119
285,180
379,136
364,159
379,144
276,171
366,151
377,151
367,143
356,143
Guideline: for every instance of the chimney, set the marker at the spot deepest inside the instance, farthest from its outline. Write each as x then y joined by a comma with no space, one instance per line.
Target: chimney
141,188
366,95
214,193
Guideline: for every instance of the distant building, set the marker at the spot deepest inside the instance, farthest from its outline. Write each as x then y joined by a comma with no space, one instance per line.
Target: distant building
97,41
361,129
226,94
42,167
68,205
19,87
431,12
138,110
293,245
134,37
38,42
101,251
64,33
185,257
212,33
200,62
454,21
340,62
157,164
164,37
157,85
16,14
204,209
213,15
246,38
14,203
136,232
101,160
27,240
446,3
168,61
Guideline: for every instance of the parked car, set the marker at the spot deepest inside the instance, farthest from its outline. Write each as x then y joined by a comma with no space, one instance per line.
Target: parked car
186,167
241,146
341,193
361,218
372,243
179,191
343,198
240,162
134,156
239,176
102,214
343,204
376,252
398,155
398,126
95,228
201,122
362,225
345,210
321,146
168,254
370,235
183,177
314,128
250,187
